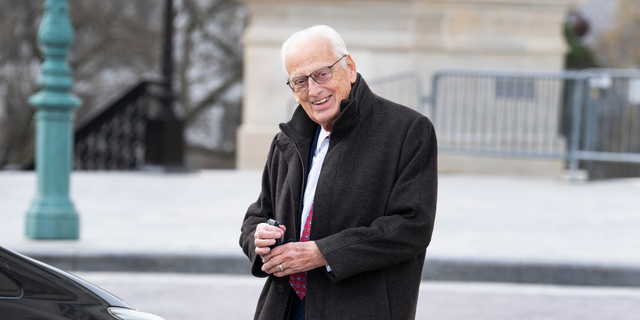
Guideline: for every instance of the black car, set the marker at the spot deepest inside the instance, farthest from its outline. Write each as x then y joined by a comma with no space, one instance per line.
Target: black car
32,290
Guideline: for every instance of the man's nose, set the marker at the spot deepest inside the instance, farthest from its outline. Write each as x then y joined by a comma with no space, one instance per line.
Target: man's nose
314,87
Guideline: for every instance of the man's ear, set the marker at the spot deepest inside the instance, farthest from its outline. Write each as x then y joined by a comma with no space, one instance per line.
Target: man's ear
351,69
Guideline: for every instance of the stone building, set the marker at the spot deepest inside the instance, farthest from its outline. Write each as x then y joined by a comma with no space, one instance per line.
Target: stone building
386,37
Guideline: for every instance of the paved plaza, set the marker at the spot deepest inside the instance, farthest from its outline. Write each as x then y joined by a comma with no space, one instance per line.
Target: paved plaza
479,217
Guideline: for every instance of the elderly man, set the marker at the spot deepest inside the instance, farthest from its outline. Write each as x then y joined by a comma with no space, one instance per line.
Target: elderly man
352,180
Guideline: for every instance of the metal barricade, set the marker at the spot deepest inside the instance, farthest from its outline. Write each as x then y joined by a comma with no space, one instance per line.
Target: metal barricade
585,117
501,113
607,123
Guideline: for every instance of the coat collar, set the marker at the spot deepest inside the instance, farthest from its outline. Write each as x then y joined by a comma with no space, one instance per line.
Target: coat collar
301,127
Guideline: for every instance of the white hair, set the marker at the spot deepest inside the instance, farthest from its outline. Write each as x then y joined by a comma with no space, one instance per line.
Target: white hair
316,33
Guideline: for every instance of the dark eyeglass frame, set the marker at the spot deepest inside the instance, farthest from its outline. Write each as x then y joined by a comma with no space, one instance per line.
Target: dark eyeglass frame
290,82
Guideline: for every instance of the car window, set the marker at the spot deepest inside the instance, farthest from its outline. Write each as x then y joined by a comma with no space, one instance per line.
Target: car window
8,287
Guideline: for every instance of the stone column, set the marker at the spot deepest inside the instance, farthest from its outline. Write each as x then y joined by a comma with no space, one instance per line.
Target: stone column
386,37
52,214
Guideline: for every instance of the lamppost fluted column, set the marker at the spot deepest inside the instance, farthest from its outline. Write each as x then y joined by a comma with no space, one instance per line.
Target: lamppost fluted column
52,214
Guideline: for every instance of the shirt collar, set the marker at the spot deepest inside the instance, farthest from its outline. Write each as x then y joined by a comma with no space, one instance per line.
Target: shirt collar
321,136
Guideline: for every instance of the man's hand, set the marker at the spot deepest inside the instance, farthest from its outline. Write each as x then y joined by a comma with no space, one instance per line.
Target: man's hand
293,257
266,236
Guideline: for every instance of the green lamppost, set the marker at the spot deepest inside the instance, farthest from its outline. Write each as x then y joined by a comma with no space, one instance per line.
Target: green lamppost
52,214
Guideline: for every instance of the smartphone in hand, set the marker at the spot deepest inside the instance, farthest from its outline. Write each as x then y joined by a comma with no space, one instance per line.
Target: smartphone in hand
275,223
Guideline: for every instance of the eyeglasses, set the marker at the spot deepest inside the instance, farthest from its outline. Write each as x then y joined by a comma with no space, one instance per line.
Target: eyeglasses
320,76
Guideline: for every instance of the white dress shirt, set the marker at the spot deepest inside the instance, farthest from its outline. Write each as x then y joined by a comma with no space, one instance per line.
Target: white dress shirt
312,181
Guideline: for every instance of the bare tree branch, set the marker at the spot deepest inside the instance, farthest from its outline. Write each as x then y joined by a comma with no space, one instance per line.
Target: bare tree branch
212,97
90,53
116,41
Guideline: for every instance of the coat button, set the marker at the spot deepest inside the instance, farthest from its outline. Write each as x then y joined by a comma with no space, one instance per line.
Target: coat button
280,288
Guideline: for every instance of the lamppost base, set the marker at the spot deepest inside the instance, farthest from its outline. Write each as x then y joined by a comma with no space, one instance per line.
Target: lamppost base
52,219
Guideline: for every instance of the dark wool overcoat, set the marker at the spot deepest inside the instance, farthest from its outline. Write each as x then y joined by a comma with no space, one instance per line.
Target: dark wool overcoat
373,211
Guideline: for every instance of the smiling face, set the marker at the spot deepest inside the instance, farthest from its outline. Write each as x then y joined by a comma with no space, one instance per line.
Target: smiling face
320,101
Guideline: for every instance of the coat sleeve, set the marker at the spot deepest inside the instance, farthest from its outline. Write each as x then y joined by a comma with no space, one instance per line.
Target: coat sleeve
258,212
404,231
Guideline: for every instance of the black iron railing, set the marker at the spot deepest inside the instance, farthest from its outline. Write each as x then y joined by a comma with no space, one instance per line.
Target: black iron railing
113,137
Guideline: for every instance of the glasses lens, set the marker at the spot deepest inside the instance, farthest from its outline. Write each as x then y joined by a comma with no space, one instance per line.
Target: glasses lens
298,84
322,75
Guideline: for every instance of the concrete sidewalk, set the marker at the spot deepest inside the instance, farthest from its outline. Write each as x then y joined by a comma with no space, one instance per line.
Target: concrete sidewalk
488,228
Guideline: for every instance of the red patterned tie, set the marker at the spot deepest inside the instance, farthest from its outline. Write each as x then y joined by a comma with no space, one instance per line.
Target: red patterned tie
298,281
